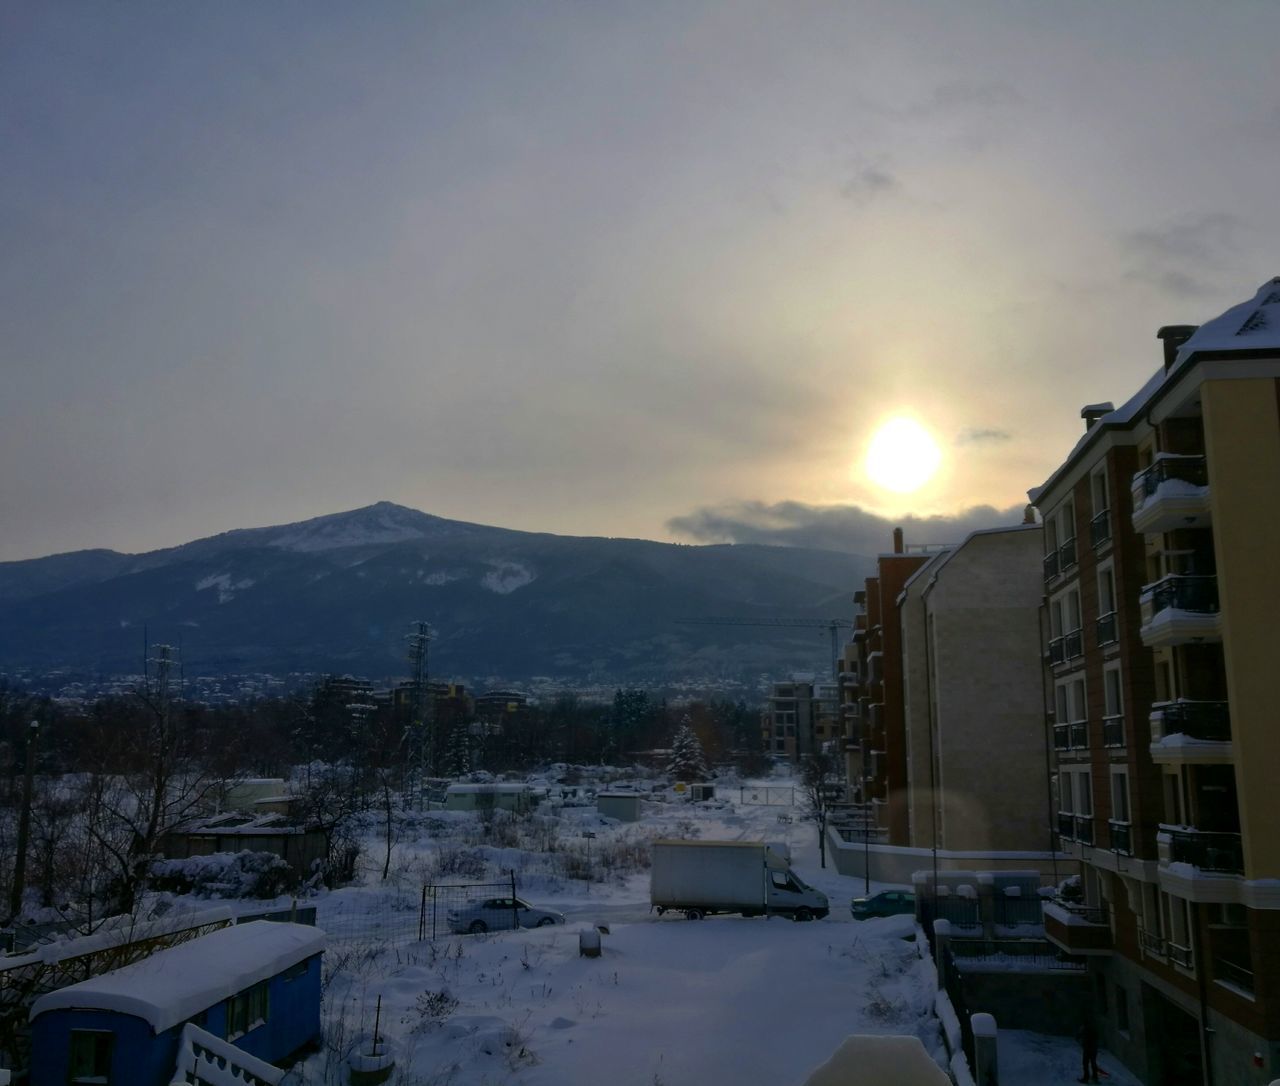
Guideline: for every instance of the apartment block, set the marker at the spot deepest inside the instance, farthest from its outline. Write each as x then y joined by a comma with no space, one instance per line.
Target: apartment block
1161,570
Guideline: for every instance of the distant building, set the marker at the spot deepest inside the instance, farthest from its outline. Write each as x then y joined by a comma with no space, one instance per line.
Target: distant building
489,797
301,846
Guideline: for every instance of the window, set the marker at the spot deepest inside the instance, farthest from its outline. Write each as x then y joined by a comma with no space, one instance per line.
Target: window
89,1055
1113,694
1084,794
1106,590
247,1010
294,972
1120,796
1098,484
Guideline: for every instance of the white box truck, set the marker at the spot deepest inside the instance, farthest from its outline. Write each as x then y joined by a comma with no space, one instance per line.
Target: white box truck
746,877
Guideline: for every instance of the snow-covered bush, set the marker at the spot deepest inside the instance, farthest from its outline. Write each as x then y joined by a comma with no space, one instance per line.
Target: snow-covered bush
225,874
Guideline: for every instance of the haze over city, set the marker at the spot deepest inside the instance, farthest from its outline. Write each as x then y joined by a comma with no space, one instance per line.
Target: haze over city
657,270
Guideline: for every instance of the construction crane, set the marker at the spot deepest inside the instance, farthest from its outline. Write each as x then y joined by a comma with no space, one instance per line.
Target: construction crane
833,625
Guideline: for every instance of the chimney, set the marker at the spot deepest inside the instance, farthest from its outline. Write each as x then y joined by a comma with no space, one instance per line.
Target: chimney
1029,515
898,548
1092,412
1174,336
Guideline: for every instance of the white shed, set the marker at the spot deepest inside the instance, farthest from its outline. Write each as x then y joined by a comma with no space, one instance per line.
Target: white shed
624,806
488,797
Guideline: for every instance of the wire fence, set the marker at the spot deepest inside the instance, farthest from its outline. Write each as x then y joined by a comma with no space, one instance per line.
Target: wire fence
405,916
767,796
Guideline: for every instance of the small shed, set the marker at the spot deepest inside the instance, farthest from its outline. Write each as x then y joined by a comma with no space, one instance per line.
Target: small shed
256,986
300,846
701,792
624,806
247,793
489,797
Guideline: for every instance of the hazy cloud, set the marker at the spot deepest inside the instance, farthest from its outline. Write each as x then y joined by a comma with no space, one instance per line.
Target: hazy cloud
977,436
847,528
1182,257
867,183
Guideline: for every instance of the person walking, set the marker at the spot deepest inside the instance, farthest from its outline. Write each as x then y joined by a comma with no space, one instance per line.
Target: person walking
1088,1036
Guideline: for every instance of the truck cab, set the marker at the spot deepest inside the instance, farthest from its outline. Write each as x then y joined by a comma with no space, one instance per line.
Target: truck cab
789,894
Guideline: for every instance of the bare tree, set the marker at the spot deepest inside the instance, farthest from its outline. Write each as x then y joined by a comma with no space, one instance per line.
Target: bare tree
819,779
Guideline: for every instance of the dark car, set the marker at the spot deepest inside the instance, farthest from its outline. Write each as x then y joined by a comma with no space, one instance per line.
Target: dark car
885,903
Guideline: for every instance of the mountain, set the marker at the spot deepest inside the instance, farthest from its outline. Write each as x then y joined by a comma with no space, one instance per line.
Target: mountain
339,592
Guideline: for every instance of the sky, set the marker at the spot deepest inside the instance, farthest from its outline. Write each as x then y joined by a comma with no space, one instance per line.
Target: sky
652,270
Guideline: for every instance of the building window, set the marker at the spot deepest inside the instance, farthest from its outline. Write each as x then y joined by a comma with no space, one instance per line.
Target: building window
89,1056
1100,525
247,1011
1113,708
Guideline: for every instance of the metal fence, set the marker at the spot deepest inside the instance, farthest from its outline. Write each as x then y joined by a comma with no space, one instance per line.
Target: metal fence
407,916
767,796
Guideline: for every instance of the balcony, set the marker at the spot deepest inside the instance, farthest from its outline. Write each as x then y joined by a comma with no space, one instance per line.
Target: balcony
1179,609
1107,629
1121,837
1051,565
1217,853
1077,928
1084,829
1074,644
1113,731
1066,826
1058,651
1181,955
1153,945
1062,737
1067,555
1079,735
1100,529
1236,975
1186,732
1172,493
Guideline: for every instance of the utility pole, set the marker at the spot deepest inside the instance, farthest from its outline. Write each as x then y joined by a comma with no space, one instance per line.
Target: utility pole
24,823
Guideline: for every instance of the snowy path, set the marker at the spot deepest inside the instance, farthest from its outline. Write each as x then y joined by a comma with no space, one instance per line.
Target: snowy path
1034,1059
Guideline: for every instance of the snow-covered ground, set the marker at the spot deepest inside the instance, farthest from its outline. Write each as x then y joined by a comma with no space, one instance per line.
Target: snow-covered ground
669,1002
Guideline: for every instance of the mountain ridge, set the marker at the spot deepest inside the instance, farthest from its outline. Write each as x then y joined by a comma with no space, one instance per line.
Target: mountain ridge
338,592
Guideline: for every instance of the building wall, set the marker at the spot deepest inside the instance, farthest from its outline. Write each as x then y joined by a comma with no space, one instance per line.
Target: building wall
984,614
916,708
1242,446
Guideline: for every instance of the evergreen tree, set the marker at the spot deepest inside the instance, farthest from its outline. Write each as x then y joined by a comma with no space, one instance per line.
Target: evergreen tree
687,762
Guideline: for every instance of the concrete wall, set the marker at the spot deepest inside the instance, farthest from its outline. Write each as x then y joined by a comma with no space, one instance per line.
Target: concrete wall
987,685
897,863
1047,1002
1242,448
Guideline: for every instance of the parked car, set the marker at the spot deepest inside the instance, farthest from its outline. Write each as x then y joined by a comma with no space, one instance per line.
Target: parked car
500,914
885,903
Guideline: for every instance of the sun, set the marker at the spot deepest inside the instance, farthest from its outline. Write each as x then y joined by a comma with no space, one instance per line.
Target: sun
902,456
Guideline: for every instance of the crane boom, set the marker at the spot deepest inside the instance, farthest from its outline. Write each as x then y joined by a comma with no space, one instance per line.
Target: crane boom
833,625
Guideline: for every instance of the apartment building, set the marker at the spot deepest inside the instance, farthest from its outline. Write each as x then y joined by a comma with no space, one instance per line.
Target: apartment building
1162,583
803,717
973,696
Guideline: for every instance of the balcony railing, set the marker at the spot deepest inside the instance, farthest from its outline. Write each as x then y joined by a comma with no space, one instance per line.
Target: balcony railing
1121,837
1152,943
1079,735
1100,528
1062,737
1186,469
1184,592
1207,720
1233,974
1067,554
1066,826
1208,851
1084,829
1074,644
1113,731
1058,651
1051,565
1107,629
1090,914
1181,955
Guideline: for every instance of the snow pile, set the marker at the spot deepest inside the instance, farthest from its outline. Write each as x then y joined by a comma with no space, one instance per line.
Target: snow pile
1251,325
227,588
225,874
875,1060
505,577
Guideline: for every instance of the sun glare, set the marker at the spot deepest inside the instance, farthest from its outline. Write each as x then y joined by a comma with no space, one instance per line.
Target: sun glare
902,456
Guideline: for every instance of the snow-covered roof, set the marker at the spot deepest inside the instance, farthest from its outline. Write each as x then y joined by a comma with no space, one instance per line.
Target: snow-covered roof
178,983
1250,326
